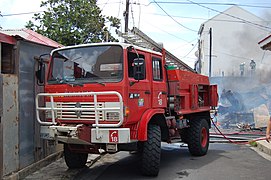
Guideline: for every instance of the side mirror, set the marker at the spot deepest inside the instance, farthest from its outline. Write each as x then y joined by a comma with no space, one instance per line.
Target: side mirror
139,69
40,73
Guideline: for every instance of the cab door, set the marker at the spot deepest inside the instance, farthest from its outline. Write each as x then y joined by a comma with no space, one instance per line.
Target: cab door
159,88
139,91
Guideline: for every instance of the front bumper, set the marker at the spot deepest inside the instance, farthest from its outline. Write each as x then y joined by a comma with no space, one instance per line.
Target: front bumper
81,134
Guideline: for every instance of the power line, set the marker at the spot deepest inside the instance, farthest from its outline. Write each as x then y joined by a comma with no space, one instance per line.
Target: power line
198,18
119,8
173,18
173,35
190,50
231,55
218,4
116,2
17,14
139,15
105,5
132,12
245,21
33,12
188,43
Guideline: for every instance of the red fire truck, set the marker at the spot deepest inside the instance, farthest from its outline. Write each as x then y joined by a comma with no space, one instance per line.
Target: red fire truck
110,97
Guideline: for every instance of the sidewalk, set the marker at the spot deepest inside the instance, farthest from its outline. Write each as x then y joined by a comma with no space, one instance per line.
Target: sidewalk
47,169
59,171
264,146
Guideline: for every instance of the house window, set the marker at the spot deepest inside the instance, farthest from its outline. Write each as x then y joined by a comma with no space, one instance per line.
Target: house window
7,59
157,69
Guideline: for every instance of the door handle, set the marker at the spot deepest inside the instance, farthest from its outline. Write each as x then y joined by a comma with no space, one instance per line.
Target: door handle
147,92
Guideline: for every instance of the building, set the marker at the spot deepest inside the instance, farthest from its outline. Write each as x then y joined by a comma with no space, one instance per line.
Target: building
232,51
20,144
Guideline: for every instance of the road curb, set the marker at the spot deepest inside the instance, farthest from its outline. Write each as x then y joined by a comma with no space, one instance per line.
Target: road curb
264,146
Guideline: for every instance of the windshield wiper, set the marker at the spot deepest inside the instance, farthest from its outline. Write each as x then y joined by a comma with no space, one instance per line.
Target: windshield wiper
71,83
98,82
74,84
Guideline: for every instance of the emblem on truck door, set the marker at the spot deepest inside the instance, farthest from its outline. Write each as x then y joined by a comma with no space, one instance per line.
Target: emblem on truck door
160,101
78,112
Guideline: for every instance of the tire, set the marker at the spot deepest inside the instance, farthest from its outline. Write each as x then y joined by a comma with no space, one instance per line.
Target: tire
74,160
151,152
198,141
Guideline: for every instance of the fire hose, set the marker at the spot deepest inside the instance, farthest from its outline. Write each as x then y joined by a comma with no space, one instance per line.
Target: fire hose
232,141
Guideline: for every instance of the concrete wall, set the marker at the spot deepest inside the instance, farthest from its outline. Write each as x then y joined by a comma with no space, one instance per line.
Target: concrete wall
10,122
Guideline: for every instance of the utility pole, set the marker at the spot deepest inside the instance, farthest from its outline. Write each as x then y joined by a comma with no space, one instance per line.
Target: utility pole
126,16
210,53
199,56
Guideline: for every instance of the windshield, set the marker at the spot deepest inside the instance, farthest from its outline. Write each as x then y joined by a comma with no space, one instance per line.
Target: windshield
90,64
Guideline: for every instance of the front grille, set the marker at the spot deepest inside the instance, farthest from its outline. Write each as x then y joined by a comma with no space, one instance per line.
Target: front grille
85,113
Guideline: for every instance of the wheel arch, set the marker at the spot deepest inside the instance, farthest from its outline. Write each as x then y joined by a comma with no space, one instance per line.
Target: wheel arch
153,116
203,115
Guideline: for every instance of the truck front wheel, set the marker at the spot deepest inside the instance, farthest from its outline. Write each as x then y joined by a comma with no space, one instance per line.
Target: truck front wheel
151,151
198,135
73,159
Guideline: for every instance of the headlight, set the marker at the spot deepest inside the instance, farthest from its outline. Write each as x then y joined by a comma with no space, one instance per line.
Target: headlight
112,116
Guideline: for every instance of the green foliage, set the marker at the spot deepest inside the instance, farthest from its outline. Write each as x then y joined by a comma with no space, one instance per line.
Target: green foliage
253,143
71,22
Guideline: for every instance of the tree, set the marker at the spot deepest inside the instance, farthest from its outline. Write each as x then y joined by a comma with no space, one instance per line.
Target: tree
71,22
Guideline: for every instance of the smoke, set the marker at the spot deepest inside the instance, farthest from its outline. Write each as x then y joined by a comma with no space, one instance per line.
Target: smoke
266,15
251,88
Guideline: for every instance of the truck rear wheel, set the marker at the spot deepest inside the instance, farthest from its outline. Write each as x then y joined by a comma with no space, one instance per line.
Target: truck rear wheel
198,132
151,151
73,159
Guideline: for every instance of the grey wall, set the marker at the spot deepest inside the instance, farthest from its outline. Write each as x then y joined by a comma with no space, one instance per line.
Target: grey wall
31,148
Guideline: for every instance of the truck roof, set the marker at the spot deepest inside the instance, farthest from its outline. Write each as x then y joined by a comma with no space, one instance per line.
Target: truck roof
123,45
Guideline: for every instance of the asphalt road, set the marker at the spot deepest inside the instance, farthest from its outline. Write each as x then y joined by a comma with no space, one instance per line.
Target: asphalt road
223,162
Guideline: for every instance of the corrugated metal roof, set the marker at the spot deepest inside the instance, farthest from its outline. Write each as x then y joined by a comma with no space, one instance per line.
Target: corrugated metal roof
32,36
7,39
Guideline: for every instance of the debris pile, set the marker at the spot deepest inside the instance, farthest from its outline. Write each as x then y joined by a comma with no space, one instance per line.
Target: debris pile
243,110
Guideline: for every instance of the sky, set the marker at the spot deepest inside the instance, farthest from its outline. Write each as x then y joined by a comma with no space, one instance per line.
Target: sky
175,23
